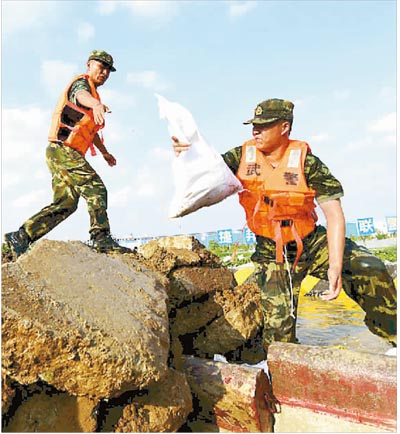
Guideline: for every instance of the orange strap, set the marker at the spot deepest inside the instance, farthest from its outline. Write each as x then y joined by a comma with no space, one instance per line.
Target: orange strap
278,242
299,244
92,150
257,207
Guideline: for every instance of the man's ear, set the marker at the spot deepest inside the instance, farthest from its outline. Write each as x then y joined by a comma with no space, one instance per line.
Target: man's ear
285,128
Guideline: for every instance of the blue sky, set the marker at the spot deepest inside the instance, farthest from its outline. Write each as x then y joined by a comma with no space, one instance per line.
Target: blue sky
336,60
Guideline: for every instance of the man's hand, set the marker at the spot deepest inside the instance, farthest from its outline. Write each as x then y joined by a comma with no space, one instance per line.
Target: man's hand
335,285
336,228
98,113
87,100
179,146
110,159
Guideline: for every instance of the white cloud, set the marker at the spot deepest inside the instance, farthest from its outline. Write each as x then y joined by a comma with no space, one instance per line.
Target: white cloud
388,94
17,144
303,101
106,7
56,74
148,79
164,155
381,133
358,145
341,95
121,197
9,179
371,144
31,198
145,183
155,11
85,31
24,15
116,99
240,8
41,174
385,124
321,137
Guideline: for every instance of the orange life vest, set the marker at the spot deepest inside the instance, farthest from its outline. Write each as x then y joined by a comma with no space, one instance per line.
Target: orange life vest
278,203
74,125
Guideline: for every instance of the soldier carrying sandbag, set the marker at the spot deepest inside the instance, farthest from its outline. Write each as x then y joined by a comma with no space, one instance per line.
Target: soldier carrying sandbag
282,179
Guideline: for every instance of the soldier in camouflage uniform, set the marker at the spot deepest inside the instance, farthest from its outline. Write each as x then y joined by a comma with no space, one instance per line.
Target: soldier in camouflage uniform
344,264
72,175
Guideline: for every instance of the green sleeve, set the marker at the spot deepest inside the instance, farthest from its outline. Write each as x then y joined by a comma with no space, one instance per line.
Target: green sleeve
319,178
80,84
232,158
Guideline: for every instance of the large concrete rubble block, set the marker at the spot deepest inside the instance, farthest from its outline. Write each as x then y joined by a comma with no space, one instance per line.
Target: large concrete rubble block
8,393
231,397
167,253
138,263
84,322
163,407
333,386
242,319
191,283
190,318
58,412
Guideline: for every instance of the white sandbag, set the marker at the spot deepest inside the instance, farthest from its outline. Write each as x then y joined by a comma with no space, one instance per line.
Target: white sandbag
201,176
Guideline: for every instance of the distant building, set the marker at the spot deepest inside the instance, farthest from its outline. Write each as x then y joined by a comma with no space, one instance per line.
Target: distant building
225,236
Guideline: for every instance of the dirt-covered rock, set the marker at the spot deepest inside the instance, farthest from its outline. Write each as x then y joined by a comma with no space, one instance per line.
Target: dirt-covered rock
162,408
168,253
52,411
8,393
194,316
241,320
191,283
84,322
102,332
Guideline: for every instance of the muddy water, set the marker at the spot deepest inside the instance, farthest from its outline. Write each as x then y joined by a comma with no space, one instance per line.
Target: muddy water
338,322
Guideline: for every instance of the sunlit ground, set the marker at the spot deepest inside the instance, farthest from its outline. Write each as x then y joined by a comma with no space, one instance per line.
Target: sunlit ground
338,322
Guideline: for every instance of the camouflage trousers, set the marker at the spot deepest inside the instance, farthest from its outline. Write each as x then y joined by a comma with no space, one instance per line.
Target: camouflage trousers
365,280
72,177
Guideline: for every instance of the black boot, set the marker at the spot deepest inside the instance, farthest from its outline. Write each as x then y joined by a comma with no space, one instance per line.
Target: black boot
103,242
18,242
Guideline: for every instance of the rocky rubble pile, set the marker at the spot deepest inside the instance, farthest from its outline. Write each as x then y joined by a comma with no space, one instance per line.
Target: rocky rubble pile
95,342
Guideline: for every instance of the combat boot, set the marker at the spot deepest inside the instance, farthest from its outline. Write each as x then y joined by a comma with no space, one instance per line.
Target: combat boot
103,242
18,242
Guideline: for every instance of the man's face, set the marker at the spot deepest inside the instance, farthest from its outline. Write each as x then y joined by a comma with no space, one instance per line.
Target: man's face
98,72
270,137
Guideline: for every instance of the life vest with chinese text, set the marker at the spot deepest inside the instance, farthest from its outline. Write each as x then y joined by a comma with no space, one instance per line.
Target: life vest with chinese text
72,125
278,203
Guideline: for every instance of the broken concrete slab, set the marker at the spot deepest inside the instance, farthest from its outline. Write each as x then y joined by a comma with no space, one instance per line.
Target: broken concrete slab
163,407
241,320
191,283
54,412
8,392
168,253
232,397
84,322
194,316
316,382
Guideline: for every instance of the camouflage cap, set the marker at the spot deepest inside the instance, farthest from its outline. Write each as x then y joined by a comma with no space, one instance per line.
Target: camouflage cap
104,57
272,110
